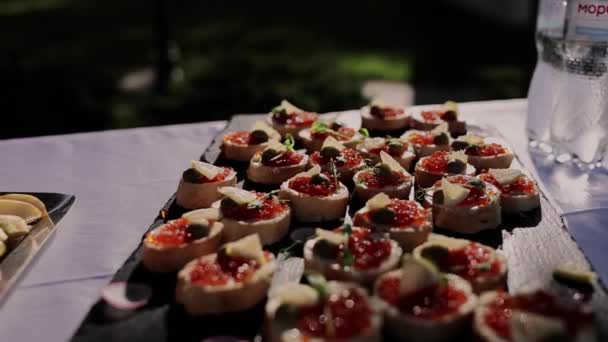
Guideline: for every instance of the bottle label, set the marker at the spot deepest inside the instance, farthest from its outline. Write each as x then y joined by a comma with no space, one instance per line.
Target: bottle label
588,20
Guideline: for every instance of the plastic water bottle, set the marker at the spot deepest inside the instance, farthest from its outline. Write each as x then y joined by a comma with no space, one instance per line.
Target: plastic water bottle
568,95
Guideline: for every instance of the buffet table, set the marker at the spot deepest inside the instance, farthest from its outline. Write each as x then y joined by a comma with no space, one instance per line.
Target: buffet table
121,178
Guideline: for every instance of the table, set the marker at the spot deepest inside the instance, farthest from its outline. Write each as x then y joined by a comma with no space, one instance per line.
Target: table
121,178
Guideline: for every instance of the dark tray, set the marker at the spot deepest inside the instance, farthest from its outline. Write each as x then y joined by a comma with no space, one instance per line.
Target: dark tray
534,244
14,265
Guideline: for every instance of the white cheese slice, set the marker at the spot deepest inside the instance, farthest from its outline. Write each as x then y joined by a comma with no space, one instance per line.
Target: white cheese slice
290,108
276,145
472,139
441,128
392,163
249,247
458,155
373,143
527,326
262,126
332,237
205,169
378,102
417,274
332,142
505,176
213,214
453,193
297,294
3,236
450,105
379,201
240,196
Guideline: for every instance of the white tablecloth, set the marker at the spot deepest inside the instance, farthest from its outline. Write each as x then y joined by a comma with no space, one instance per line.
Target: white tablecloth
121,178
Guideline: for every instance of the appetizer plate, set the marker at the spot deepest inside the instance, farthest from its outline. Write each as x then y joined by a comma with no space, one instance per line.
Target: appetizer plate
15,263
534,243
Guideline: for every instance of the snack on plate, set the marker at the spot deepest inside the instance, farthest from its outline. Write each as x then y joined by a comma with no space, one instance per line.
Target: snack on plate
426,143
488,155
379,116
249,212
242,145
17,212
276,163
236,278
387,177
397,148
199,184
351,254
170,246
25,209
441,164
314,137
464,204
428,119
518,193
289,119
325,311
406,222
333,154
423,304
532,316
482,266
315,197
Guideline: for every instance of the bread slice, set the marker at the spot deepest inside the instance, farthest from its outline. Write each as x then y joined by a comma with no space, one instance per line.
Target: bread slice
481,283
160,258
426,179
363,193
501,161
308,208
387,124
204,299
409,328
260,173
238,152
195,195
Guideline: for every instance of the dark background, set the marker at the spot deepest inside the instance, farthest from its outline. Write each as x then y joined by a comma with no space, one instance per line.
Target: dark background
81,65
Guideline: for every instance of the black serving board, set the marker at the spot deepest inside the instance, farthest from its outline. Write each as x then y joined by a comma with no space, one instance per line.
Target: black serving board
531,255
15,263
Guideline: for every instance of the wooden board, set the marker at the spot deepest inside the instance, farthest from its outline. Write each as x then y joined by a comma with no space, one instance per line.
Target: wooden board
533,244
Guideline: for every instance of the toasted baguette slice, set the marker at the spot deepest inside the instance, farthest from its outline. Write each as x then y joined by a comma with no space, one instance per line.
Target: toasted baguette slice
388,124
409,328
308,208
426,179
161,258
480,283
234,296
195,196
333,270
363,193
260,173
237,152
501,161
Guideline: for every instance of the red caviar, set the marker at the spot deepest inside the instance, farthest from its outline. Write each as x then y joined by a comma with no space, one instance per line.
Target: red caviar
238,137
472,261
498,313
342,134
522,185
264,209
287,158
385,112
304,185
432,302
421,138
303,119
369,253
372,180
174,233
487,150
223,268
476,196
387,149
436,162
349,158
430,115
222,175
343,315
407,214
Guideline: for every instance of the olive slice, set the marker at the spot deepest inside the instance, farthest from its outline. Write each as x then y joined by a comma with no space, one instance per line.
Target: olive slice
441,139
329,152
197,231
382,170
383,216
456,166
449,115
268,154
319,179
259,136
191,176
478,183
228,203
436,254
325,250
395,148
459,145
438,197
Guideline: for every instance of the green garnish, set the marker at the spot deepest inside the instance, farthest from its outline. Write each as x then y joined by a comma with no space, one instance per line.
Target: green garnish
289,142
318,282
287,251
319,126
279,110
420,193
257,203
364,132
348,259
347,229
334,172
